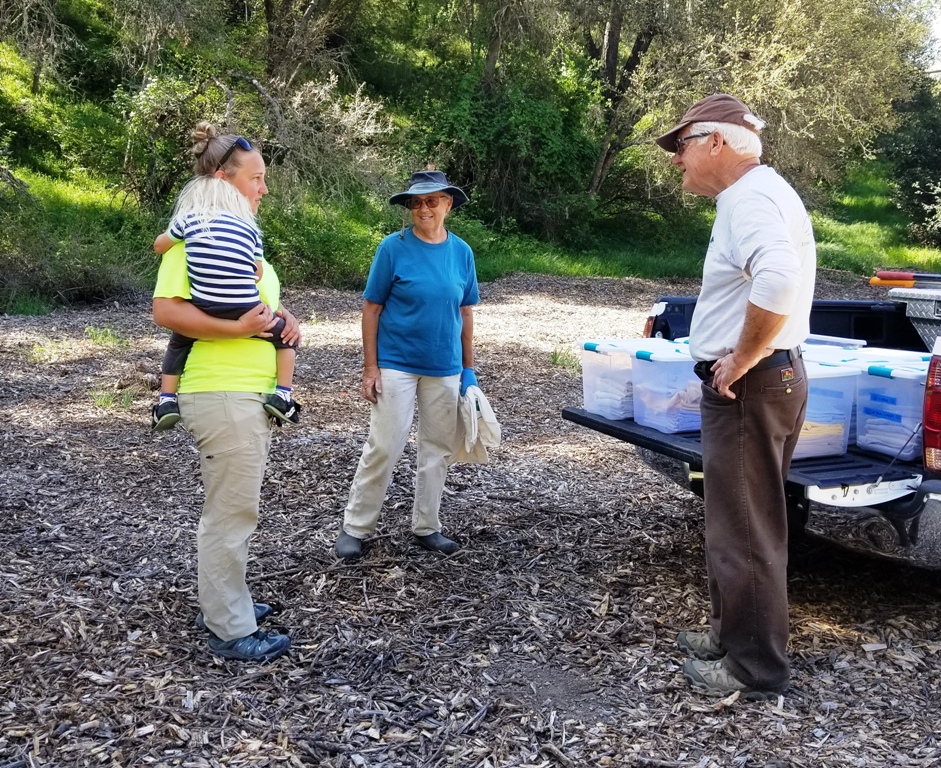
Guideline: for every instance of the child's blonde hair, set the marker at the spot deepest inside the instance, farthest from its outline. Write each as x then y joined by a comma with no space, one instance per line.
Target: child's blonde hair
206,194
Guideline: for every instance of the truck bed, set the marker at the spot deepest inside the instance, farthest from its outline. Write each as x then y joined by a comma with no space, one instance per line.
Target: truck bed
851,469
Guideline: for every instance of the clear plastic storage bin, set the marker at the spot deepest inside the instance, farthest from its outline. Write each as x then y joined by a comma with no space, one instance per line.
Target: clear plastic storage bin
666,391
831,393
889,403
607,384
861,359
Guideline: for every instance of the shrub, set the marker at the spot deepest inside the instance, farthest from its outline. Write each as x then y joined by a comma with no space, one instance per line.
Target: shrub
521,147
70,243
914,151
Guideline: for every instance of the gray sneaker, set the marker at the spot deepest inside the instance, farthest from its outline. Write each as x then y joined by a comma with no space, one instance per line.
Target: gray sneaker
258,646
700,645
713,679
262,612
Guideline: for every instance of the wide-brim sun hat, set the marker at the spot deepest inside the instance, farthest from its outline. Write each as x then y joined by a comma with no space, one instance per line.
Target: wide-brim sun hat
718,108
426,183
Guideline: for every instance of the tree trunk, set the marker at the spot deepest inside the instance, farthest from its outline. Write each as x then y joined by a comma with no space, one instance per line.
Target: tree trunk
609,50
619,124
37,75
496,42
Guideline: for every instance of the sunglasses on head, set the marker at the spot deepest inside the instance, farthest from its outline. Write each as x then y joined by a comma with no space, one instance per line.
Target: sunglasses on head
414,203
239,143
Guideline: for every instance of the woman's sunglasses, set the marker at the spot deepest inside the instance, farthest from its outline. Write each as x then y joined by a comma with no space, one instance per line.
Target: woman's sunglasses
238,143
414,203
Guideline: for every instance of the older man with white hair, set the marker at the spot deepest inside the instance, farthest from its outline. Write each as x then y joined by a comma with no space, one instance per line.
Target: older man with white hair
751,316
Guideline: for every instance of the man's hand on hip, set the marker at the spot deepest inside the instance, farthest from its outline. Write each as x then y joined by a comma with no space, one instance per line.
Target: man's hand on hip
729,369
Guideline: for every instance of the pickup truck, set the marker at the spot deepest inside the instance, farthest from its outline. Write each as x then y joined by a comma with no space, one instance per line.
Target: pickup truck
860,500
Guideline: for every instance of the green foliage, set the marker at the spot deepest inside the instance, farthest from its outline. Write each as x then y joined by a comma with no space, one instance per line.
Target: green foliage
914,151
521,146
52,132
162,115
862,230
506,98
635,246
313,243
72,242
91,68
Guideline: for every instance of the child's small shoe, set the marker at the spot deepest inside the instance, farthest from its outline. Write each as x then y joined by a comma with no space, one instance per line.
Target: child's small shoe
282,409
165,415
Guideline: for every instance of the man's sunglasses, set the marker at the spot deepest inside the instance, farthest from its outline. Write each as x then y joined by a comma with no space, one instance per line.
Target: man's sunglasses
681,143
414,203
239,143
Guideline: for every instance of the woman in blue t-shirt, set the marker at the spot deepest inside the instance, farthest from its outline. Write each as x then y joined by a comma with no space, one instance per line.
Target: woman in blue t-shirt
418,329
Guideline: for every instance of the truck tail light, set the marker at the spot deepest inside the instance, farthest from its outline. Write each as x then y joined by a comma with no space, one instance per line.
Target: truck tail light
931,420
648,327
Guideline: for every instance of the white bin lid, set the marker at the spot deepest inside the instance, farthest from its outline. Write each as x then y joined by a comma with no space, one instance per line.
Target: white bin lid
626,346
820,339
910,372
863,358
678,353
828,371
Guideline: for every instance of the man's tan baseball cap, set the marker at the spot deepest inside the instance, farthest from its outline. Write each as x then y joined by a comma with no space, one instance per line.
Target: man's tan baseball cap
718,108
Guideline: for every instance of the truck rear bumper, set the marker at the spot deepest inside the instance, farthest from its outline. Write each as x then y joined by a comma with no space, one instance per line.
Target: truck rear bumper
857,500
906,530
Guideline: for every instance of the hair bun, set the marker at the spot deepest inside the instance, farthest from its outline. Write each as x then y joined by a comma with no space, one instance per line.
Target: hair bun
202,133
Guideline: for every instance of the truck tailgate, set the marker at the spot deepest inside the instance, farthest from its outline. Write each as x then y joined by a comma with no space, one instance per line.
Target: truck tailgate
851,469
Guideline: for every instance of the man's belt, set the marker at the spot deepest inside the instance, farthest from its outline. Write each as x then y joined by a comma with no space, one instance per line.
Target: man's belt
779,357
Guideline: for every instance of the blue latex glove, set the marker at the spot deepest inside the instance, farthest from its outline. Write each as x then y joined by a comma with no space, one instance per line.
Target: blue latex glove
468,379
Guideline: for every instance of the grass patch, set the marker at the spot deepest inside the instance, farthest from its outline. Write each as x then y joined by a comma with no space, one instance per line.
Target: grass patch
565,357
105,337
49,352
109,400
862,230
30,304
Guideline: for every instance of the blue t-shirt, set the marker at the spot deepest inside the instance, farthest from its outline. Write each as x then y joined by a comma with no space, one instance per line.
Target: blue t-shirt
422,287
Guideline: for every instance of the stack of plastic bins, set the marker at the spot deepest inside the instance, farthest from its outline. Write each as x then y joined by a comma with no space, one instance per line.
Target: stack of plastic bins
889,403
831,392
666,391
861,359
607,384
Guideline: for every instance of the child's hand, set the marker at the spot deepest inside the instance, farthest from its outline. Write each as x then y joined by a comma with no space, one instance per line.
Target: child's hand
259,270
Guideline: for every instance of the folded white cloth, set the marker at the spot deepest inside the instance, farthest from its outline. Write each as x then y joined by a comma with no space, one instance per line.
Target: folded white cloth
477,428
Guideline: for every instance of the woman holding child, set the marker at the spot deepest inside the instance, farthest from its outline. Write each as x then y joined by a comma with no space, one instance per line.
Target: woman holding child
229,376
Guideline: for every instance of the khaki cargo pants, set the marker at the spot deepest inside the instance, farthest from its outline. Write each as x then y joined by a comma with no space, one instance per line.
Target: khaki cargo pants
233,437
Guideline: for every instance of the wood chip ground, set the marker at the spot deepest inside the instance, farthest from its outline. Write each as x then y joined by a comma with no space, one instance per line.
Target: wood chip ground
548,640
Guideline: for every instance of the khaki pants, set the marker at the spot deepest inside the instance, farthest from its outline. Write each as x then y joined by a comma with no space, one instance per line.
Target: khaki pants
389,423
233,436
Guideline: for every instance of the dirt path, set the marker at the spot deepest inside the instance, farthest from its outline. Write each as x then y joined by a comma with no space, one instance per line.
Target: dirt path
547,641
